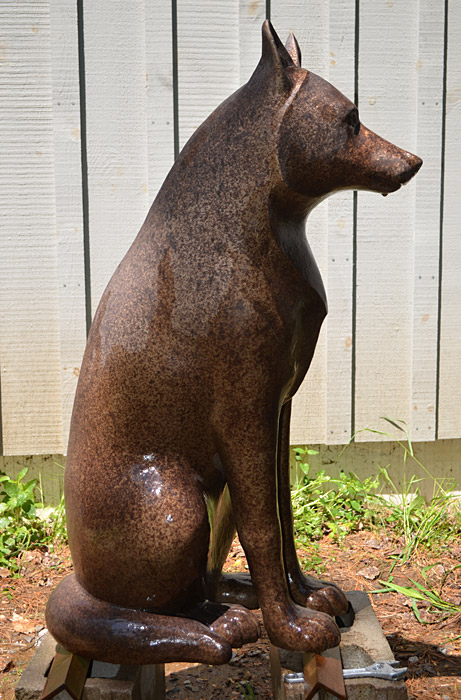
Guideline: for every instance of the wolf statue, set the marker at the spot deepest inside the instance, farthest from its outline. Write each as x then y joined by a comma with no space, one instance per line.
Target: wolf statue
180,428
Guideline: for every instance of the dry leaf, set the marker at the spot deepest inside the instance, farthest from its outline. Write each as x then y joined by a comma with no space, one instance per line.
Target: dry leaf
369,572
20,624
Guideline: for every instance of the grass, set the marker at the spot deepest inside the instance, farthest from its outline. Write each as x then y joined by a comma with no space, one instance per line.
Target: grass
430,525
323,505
424,593
336,506
247,691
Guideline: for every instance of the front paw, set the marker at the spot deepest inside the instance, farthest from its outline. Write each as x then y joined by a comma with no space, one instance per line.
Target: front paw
318,595
301,629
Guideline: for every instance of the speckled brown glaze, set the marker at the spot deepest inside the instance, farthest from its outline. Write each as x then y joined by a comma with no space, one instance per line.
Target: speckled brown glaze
201,339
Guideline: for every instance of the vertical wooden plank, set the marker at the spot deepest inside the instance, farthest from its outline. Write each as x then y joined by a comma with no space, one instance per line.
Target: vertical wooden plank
115,61
69,212
387,98
427,220
29,333
208,67
311,28
252,14
340,245
450,331
159,93
310,23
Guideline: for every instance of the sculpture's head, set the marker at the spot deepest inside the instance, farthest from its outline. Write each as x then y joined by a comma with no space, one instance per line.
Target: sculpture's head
322,146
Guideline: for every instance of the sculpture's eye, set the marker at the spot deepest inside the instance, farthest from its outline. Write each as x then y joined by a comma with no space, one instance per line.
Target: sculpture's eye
353,120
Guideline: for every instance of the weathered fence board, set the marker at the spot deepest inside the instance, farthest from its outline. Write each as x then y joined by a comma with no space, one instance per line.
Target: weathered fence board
115,60
429,111
450,318
29,330
385,226
69,204
159,93
208,59
251,16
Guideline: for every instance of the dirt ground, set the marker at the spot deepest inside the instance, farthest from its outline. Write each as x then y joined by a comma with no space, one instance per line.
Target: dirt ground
432,651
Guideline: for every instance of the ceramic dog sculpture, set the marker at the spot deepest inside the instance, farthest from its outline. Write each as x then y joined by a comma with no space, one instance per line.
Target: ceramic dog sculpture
180,427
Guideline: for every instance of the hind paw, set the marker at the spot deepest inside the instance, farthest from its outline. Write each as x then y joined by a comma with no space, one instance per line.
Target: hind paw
234,624
305,590
318,595
238,626
233,589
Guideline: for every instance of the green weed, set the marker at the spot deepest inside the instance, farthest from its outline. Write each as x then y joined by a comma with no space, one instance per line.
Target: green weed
326,505
427,594
247,691
21,528
429,525
337,506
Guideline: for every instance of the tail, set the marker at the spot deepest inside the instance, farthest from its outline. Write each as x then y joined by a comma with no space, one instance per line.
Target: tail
99,630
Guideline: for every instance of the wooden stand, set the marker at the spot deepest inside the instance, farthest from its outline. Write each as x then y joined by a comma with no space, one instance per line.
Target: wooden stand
361,644
321,672
69,672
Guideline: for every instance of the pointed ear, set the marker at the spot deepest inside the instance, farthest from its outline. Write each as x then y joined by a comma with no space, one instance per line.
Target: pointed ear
275,57
293,49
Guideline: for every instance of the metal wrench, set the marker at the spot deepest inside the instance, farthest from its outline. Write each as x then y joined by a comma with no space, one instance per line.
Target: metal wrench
381,669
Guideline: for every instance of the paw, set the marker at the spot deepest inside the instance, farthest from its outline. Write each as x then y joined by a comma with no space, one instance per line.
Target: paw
233,589
237,626
301,629
318,595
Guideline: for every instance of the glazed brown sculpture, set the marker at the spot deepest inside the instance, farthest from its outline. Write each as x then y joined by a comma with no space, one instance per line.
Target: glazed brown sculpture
181,420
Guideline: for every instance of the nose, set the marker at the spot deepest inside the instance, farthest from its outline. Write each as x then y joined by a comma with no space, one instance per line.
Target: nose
414,163
417,164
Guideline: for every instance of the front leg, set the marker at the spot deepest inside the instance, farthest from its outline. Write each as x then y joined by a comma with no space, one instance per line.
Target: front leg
305,590
248,446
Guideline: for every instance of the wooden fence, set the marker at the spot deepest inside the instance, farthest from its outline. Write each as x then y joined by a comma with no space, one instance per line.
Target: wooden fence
95,100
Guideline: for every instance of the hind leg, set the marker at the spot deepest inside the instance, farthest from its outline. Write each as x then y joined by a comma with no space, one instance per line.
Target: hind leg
143,542
103,631
138,555
305,590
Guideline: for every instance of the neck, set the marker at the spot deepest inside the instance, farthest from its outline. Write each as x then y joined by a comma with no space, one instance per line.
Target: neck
288,212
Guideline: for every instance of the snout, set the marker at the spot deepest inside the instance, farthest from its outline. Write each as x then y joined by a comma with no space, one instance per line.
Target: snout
387,167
